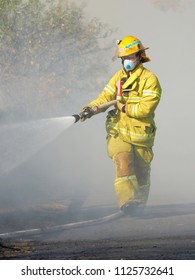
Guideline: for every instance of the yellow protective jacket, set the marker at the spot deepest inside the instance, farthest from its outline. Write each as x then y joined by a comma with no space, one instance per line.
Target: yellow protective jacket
141,94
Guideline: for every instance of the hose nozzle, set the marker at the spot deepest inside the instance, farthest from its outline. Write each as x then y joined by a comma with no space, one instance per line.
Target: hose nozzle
77,117
85,114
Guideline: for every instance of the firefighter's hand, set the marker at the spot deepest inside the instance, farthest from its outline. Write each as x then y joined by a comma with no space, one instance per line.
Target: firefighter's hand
86,113
120,106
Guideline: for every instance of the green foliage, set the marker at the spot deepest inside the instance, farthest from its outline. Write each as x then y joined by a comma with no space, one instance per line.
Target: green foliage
52,42
33,37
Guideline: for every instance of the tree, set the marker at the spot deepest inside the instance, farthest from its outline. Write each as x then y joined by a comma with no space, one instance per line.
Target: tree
48,52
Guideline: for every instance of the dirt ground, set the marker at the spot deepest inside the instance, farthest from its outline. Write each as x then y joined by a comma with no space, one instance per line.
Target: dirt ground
172,248
162,232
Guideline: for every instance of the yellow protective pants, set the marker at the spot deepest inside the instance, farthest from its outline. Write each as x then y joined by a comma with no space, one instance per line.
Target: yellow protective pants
132,165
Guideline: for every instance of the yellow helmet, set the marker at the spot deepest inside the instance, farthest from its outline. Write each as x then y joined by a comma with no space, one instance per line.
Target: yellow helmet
130,45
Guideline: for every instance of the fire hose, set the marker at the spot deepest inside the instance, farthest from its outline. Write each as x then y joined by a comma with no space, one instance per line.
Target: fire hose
96,109
59,228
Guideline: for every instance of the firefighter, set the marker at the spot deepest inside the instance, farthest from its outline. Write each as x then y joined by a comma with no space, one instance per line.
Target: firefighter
130,126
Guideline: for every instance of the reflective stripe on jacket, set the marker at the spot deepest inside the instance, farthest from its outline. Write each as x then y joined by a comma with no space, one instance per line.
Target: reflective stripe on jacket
141,95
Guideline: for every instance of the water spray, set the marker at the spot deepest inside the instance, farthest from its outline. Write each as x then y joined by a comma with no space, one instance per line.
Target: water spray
20,141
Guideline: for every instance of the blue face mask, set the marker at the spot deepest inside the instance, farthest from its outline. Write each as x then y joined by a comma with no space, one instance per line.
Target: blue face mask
129,65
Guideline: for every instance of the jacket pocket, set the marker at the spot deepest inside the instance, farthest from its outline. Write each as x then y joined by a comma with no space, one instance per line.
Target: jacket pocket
141,133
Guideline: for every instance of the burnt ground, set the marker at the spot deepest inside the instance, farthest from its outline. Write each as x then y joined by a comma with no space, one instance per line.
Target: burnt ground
162,232
172,248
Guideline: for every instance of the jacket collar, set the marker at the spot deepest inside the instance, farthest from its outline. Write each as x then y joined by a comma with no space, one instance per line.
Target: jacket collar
134,75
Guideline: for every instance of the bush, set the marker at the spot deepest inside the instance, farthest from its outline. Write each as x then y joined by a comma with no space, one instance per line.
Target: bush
49,54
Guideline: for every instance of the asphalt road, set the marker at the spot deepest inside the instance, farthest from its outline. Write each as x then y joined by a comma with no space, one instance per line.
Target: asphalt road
163,232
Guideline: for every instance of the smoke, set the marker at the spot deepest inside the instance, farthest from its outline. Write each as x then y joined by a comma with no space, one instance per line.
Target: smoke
70,168
75,164
49,70
168,5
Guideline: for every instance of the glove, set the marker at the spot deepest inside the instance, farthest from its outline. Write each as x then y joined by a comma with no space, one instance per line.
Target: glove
86,113
120,106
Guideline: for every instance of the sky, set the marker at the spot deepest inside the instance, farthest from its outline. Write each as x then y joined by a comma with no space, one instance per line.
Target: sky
77,161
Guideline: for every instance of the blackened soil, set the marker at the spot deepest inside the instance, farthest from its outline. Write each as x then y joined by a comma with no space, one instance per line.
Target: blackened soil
173,248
